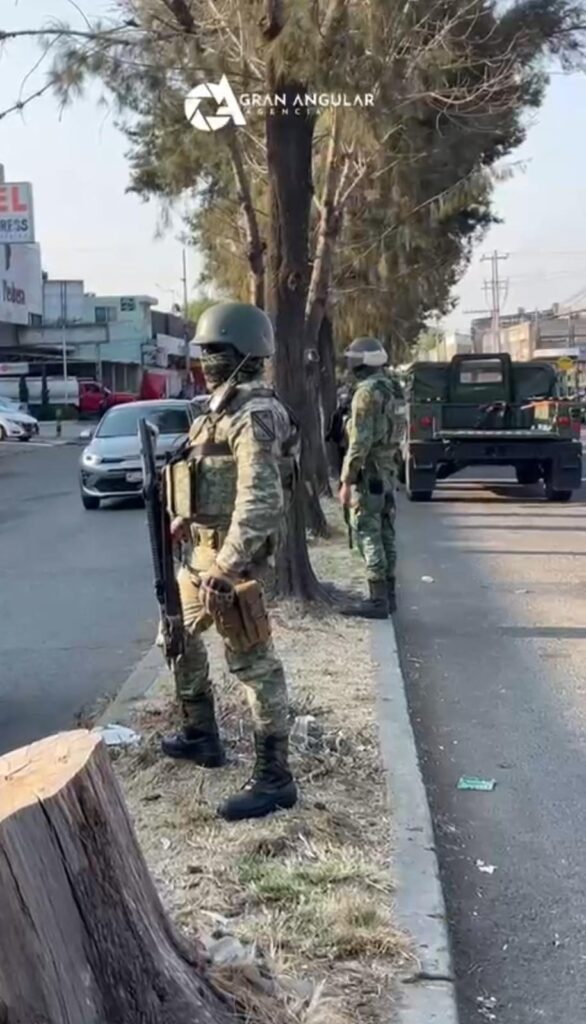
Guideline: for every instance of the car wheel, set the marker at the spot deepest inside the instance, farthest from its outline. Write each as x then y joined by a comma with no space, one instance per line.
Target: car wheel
2,433
27,438
89,501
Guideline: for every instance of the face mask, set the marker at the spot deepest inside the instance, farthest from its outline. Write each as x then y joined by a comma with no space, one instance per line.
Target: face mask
218,364
361,372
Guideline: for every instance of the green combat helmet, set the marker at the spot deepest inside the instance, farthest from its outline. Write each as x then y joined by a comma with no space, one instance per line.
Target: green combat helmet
366,352
247,328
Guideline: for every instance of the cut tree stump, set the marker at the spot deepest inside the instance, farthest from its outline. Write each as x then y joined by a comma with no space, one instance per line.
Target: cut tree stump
84,938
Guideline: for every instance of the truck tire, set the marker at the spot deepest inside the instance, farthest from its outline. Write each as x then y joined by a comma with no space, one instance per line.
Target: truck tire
528,473
415,493
89,502
559,496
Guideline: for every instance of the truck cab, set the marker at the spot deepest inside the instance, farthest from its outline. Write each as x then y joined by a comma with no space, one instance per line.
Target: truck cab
94,398
485,410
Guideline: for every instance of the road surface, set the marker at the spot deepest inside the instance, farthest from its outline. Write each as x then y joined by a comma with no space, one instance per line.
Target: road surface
493,646
76,604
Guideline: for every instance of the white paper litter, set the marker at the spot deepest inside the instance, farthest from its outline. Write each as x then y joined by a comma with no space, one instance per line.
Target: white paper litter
487,869
118,736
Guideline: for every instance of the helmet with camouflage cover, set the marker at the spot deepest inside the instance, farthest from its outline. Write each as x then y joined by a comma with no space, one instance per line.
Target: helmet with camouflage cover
366,352
246,328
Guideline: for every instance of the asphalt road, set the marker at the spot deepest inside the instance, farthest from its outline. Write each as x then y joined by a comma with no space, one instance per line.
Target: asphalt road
76,604
494,650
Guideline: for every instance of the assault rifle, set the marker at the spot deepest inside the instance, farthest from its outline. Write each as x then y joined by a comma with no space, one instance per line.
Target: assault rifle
161,543
348,521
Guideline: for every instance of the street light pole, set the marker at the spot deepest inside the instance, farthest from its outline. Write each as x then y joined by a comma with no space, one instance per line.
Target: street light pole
64,342
185,328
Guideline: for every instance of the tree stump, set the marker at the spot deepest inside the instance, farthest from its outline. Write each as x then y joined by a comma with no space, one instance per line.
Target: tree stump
84,938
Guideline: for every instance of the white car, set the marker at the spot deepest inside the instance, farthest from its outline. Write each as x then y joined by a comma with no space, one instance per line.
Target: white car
16,425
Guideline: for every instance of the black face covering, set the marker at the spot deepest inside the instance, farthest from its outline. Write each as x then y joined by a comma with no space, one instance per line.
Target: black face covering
218,362
362,372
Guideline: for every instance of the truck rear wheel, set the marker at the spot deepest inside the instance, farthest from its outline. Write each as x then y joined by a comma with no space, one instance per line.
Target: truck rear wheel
413,485
559,496
528,473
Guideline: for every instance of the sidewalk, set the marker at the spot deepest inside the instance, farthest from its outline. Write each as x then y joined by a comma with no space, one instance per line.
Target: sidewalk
70,431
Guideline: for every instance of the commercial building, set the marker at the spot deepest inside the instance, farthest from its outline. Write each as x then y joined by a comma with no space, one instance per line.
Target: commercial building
450,344
58,325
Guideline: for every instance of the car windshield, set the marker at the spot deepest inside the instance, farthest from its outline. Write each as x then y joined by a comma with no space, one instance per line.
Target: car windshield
6,403
122,421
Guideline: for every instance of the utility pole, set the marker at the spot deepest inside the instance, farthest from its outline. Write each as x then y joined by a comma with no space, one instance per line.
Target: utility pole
63,289
495,288
185,328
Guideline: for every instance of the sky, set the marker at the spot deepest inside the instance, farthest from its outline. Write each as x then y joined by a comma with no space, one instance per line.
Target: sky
90,228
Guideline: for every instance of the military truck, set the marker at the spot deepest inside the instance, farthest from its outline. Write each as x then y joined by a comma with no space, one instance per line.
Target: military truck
485,410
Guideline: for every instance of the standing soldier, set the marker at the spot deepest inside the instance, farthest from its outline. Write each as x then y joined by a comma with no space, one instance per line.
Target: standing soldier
367,477
227,497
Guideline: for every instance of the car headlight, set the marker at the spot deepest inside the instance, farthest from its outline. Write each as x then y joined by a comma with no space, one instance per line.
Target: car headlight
14,423
89,459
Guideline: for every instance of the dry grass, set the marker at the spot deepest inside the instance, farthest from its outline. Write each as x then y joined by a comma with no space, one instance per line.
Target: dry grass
311,888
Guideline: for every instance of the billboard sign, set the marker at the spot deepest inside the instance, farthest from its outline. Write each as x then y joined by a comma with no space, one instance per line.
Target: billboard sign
21,283
16,212
13,369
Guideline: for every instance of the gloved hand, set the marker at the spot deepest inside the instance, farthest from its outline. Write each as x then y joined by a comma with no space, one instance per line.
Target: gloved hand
217,591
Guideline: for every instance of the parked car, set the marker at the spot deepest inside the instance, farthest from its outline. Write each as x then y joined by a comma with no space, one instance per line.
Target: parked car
110,466
16,425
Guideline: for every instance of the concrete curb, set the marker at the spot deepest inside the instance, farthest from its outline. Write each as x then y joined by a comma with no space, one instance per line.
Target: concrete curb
140,682
428,995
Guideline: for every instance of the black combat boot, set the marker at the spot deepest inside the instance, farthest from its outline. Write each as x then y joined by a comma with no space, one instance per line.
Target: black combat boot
377,607
391,595
199,740
271,786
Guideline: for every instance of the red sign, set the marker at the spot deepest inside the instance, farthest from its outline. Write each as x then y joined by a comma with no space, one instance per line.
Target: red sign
16,213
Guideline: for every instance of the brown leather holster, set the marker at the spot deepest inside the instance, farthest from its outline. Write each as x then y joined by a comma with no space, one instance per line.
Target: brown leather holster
244,624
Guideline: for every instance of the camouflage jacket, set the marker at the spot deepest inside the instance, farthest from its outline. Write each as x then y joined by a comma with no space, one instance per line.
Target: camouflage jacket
244,460
370,451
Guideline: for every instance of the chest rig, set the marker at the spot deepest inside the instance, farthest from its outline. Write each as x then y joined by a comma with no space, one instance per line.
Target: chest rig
201,484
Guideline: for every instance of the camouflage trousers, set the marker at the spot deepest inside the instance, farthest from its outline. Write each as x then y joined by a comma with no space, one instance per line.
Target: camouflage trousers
373,528
259,670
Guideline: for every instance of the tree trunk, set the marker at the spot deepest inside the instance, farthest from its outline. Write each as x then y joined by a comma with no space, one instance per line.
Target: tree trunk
289,159
84,937
255,248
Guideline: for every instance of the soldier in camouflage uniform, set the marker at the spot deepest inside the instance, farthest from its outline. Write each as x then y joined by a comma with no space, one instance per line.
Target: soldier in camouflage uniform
367,478
241,455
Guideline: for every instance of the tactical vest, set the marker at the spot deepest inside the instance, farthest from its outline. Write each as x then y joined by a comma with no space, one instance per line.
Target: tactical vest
201,486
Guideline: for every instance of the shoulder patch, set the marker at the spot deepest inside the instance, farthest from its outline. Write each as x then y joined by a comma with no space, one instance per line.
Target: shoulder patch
263,425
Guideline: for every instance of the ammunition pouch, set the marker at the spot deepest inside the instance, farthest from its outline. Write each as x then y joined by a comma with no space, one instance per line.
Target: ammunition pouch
195,491
244,624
